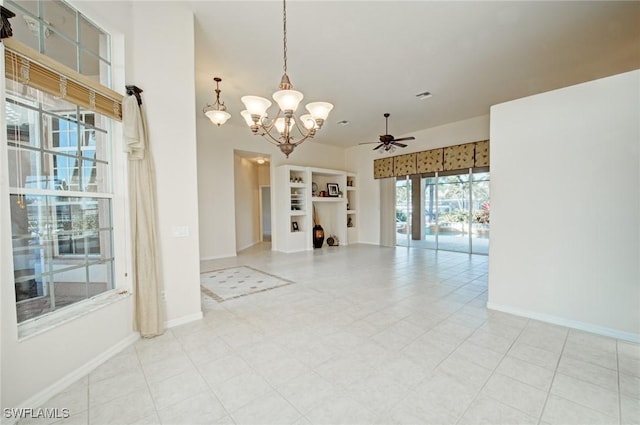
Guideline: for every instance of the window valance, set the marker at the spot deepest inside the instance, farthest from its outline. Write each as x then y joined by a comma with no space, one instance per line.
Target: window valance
29,67
450,158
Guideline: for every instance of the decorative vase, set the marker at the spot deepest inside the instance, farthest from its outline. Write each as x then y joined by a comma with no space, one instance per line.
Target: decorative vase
318,236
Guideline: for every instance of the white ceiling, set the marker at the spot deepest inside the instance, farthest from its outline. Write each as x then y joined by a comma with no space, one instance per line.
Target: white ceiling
372,57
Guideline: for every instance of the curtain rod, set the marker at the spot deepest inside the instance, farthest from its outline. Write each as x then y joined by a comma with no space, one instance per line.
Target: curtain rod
135,91
5,26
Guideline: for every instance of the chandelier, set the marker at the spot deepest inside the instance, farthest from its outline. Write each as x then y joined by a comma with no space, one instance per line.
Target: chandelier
217,112
285,120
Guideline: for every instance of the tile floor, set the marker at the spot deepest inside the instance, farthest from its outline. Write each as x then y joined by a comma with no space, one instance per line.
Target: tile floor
367,335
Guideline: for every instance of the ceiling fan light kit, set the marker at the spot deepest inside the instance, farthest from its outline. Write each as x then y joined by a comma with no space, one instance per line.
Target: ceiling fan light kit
285,120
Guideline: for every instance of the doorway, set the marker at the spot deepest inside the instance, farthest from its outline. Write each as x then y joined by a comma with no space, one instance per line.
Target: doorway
252,198
265,214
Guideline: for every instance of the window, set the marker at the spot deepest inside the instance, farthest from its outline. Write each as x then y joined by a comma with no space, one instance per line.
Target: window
59,166
73,40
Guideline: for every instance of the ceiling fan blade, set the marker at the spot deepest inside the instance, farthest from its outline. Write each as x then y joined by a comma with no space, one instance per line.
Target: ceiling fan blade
404,138
379,146
402,145
367,143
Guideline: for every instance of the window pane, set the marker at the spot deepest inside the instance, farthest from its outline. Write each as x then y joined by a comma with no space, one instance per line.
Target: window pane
62,172
22,125
430,208
95,145
94,119
27,29
58,106
62,250
25,169
480,213
64,135
95,177
61,50
90,65
93,39
105,74
453,213
28,5
403,212
60,16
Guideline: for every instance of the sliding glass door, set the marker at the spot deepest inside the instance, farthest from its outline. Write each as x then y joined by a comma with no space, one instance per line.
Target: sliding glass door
480,210
403,212
454,212
430,197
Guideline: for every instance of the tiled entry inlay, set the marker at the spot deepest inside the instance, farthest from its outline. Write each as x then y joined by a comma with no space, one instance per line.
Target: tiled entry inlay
235,282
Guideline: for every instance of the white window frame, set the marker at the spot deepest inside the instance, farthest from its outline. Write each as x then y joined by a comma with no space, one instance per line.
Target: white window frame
122,280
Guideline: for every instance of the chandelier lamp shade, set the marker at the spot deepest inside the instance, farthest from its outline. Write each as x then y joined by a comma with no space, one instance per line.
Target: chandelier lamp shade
286,130
217,112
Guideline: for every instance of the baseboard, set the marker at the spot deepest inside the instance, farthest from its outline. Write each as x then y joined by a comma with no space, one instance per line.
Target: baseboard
57,387
242,248
574,324
182,320
218,257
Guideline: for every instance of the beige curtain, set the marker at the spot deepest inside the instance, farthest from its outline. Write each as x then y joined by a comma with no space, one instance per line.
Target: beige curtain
387,212
149,314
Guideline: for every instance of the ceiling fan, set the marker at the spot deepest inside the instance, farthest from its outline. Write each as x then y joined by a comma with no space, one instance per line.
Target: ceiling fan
387,141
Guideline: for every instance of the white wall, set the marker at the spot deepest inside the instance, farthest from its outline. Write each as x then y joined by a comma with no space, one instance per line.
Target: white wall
565,206
360,159
247,203
163,66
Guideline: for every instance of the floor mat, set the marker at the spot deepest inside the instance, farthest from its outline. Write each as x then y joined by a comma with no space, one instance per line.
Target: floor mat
235,282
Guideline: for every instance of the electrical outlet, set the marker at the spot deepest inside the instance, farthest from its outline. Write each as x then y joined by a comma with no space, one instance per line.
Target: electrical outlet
163,295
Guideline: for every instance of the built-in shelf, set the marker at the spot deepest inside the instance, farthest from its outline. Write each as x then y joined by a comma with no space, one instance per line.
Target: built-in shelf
294,189
326,199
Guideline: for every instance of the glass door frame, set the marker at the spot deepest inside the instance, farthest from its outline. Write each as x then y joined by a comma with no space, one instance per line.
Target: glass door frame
408,208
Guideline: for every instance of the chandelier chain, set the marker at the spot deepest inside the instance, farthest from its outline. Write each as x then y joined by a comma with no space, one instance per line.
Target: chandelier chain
284,39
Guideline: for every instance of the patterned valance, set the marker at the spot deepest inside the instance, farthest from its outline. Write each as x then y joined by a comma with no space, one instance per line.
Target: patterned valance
482,154
383,168
450,158
404,165
458,157
429,161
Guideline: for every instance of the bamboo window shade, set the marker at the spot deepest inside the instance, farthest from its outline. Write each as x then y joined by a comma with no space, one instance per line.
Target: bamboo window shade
27,66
